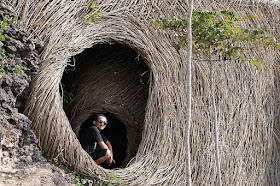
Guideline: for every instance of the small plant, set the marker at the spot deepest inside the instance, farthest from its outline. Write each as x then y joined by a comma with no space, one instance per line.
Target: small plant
40,152
77,180
113,176
94,13
17,70
2,69
15,21
3,26
55,162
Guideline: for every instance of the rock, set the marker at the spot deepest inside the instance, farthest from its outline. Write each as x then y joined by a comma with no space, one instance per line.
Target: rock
11,49
3,96
7,80
10,41
19,85
20,160
39,45
8,108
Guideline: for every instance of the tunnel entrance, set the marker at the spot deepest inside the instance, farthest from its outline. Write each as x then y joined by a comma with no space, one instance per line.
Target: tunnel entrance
113,80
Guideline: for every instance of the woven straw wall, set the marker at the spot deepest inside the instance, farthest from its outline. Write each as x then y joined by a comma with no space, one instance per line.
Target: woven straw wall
248,111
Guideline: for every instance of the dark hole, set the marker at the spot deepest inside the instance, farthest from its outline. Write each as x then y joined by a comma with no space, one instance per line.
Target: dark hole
116,81
115,132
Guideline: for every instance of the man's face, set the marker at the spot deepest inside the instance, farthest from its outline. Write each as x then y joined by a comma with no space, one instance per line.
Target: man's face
100,123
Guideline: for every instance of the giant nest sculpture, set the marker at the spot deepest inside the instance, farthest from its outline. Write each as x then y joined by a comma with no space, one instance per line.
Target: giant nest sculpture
126,67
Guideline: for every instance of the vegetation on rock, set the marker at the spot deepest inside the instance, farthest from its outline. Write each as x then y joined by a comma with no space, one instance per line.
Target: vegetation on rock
3,25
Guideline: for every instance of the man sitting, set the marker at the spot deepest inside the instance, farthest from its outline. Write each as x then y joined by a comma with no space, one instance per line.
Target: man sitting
95,143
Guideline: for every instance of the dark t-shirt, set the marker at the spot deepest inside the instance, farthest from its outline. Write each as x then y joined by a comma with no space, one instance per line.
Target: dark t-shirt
89,139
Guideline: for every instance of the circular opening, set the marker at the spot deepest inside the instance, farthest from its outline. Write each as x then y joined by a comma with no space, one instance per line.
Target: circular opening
113,80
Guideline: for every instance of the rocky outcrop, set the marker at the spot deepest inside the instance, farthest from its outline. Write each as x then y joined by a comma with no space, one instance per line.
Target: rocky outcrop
19,154
18,142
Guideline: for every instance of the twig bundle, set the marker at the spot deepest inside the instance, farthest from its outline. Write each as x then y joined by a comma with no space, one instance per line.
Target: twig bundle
248,111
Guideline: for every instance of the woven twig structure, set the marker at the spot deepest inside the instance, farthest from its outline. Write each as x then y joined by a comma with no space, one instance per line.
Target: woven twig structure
248,111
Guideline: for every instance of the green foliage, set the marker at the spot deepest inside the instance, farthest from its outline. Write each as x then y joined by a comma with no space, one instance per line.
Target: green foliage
40,152
113,176
75,179
3,25
219,36
55,162
17,70
2,69
79,180
94,13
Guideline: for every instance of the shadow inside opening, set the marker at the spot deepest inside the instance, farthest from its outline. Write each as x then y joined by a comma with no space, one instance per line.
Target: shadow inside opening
115,132
113,80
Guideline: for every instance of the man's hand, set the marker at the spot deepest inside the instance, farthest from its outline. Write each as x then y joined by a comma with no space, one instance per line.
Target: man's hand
110,159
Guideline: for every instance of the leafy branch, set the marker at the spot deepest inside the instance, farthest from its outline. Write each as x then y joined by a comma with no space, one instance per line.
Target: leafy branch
220,35
91,18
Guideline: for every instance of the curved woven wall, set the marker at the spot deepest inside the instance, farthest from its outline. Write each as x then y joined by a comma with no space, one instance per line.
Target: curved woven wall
246,99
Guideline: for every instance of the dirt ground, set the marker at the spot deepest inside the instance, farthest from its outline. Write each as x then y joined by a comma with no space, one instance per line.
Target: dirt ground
38,174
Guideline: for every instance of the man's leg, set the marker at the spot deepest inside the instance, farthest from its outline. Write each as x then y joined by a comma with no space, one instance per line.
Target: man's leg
103,157
101,160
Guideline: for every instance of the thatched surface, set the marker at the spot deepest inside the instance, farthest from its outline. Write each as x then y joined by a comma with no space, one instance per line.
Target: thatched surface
246,99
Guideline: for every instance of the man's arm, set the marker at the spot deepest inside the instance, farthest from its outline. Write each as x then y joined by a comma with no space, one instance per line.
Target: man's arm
107,146
103,145
110,147
110,160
